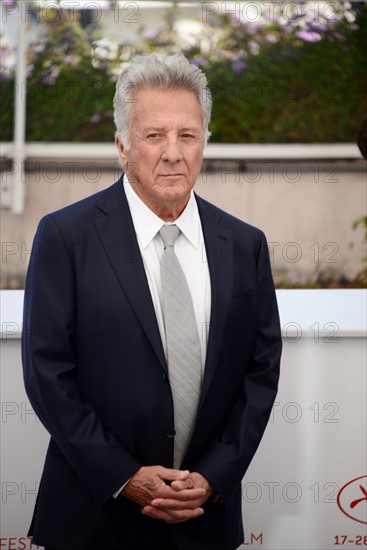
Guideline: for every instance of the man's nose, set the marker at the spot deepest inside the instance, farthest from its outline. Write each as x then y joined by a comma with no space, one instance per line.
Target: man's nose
172,150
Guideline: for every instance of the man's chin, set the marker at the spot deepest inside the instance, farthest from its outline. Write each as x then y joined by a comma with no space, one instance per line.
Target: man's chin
174,186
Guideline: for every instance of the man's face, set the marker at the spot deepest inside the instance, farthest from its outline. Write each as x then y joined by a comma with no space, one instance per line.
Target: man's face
166,148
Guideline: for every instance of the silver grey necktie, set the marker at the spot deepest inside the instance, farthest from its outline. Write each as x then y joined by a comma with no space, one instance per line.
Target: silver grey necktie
183,345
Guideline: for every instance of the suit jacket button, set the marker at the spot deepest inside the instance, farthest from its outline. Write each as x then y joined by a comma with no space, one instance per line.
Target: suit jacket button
171,434
165,377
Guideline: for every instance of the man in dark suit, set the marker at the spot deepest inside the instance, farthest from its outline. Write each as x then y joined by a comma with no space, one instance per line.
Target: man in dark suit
151,341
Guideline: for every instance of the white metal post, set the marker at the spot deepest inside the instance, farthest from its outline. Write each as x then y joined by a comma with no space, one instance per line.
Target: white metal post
18,195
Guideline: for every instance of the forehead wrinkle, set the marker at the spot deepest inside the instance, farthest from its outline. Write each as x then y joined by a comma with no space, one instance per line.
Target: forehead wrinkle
165,129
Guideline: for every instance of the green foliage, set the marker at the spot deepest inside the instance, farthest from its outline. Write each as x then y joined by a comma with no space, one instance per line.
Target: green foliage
362,221
65,110
294,91
270,83
6,111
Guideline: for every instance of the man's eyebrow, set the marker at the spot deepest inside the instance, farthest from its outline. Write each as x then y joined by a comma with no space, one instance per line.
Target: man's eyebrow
154,129
190,129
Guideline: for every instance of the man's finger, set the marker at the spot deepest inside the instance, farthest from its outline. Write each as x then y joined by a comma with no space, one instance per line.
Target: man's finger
184,495
172,516
159,514
174,504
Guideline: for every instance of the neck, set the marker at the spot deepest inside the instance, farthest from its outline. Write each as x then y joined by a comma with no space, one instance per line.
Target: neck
169,212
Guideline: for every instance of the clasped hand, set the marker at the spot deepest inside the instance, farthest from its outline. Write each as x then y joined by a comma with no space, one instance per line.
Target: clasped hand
173,496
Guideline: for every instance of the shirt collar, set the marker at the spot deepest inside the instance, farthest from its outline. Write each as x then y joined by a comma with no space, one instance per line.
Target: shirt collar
147,223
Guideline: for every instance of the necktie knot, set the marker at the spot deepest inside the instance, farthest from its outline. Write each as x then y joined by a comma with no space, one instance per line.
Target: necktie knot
169,234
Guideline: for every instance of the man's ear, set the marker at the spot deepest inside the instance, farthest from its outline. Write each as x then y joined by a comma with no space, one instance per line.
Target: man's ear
122,151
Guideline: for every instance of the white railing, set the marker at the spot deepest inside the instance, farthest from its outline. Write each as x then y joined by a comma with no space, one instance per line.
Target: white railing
339,313
221,151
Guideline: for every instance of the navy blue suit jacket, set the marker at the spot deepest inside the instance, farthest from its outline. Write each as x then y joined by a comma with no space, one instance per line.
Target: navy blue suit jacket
96,375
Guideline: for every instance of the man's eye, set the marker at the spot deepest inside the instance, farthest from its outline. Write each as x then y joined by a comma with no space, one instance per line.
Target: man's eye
153,136
188,136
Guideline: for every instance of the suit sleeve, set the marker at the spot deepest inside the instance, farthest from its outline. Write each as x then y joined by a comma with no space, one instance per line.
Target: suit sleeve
50,368
225,462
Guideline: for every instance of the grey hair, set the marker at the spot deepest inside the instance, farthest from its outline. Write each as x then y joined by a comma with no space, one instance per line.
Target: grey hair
172,72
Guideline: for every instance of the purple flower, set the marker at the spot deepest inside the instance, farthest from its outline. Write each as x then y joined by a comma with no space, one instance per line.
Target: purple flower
308,36
239,66
317,26
50,79
198,61
254,27
233,17
70,59
254,47
29,71
150,35
70,39
271,39
96,118
338,36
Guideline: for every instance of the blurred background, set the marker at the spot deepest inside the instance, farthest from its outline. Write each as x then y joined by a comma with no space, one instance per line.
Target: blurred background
289,87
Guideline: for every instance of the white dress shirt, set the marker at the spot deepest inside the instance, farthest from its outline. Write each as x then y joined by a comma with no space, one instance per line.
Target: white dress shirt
190,251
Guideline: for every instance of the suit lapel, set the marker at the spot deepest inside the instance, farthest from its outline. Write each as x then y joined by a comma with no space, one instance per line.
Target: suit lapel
219,250
116,231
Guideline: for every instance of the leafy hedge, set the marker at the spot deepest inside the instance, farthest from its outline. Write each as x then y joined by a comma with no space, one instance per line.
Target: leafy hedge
314,92
274,83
